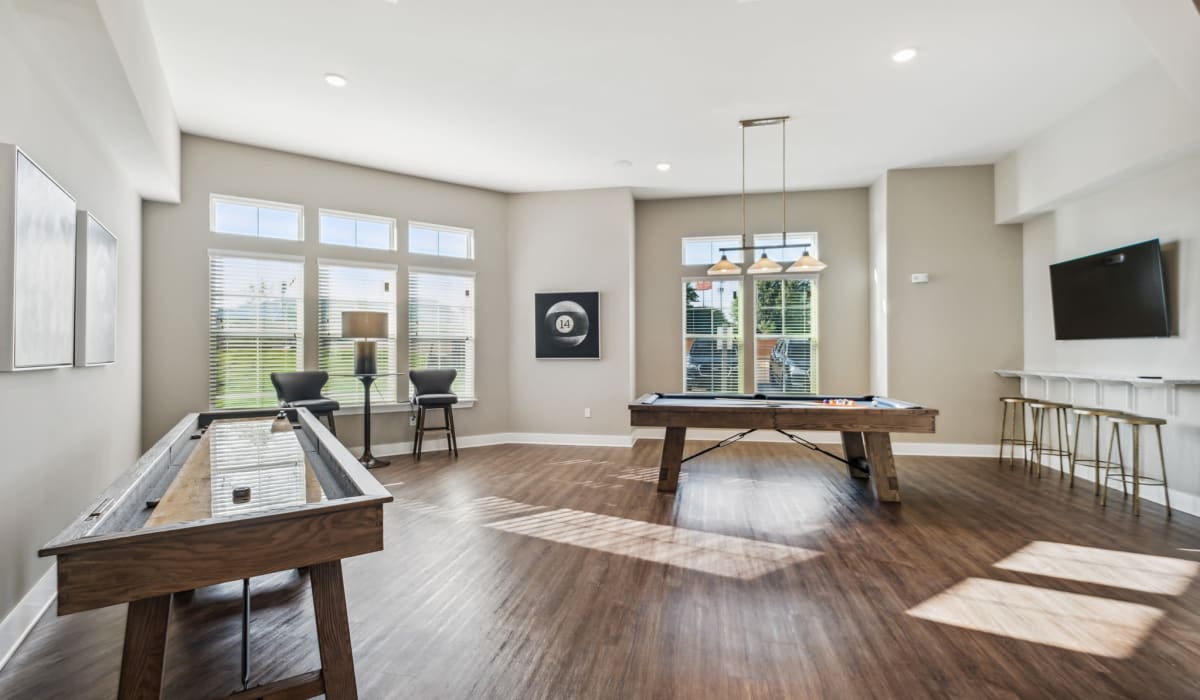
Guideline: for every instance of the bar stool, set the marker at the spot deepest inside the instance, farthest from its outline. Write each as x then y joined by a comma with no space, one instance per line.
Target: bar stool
1014,406
1054,413
432,389
1096,414
1135,423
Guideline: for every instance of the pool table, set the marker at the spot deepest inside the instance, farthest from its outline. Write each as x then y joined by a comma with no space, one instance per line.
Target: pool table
865,422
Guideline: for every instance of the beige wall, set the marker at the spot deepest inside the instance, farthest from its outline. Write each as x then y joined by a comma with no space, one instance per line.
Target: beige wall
946,337
175,344
572,241
840,219
66,432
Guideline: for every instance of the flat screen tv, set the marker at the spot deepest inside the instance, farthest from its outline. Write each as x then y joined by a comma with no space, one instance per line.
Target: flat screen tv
1119,293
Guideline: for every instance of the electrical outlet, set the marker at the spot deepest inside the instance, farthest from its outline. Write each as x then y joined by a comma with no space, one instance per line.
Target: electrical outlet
412,419
587,413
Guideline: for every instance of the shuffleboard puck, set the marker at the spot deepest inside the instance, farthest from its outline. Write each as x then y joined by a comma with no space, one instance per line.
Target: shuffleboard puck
241,494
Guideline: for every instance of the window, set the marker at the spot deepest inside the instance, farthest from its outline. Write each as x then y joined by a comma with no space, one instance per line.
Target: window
441,325
446,241
705,250
354,287
789,254
712,336
253,217
785,337
357,230
256,326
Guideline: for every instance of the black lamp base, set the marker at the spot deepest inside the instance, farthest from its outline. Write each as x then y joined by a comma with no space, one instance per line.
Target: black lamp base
364,357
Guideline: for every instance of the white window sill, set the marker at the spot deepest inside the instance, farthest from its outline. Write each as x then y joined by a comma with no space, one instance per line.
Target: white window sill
393,407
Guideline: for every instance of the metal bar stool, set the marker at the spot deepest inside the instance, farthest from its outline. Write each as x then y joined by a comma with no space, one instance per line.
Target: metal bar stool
1014,406
1057,444
1096,414
1135,424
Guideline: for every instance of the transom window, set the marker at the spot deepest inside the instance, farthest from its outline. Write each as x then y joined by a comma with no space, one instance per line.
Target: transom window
705,250
357,230
789,254
240,216
445,241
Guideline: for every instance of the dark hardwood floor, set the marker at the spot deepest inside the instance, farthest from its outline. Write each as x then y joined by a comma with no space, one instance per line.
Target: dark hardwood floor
560,572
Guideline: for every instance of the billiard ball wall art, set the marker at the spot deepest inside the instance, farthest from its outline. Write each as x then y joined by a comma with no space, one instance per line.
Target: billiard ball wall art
567,325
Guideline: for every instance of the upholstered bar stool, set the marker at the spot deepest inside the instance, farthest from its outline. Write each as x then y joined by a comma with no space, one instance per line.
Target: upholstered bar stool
1135,424
1051,415
1012,416
1094,461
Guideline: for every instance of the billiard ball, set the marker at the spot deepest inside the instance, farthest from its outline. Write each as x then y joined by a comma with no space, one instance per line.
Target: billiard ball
566,323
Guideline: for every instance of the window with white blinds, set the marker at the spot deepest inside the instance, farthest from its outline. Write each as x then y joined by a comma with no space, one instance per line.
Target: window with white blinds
441,325
256,326
785,336
354,287
712,335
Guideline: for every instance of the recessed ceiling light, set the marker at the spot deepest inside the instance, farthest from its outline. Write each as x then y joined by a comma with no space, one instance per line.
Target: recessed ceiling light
335,80
663,167
904,55
623,163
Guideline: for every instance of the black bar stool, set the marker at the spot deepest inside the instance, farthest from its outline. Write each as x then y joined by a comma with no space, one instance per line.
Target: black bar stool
1057,444
432,390
1014,406
1096,414
1135,424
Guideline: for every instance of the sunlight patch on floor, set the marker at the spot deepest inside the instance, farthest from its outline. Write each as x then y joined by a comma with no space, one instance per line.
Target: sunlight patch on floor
721,555
1082,623
1107,567
484,508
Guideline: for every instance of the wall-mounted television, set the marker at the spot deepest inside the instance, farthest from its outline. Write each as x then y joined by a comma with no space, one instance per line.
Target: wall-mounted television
1119,293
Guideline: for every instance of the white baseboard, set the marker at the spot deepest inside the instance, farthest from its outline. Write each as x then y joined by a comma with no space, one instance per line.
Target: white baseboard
440,444
1180,500
21,619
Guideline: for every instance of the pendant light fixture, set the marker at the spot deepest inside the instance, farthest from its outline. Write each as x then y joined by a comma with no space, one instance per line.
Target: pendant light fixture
764,264
807,263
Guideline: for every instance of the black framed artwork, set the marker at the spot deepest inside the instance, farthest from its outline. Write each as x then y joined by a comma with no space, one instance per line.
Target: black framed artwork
567,325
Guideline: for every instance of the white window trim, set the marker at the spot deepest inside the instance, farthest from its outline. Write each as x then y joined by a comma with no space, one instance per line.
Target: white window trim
443,271
239,253
470,232
341,262
214,197
392,238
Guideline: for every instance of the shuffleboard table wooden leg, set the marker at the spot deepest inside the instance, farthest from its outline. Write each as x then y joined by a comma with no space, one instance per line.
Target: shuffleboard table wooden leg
852,447
333,631
883,466
672,457
145,645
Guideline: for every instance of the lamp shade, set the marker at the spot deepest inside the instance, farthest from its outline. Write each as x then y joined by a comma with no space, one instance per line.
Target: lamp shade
724,267
807,263
764,265
364,324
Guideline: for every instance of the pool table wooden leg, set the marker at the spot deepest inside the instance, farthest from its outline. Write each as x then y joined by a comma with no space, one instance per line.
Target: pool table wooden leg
145,645
852,448
883,466
672,456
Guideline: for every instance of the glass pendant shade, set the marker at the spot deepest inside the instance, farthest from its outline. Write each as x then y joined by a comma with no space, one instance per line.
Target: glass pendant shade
807,263
724,267
765,265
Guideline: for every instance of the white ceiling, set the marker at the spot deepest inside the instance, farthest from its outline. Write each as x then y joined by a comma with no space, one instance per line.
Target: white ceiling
531,95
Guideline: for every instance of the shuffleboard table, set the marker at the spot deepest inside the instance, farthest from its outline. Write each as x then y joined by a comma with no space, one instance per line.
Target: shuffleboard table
865,422
225,495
